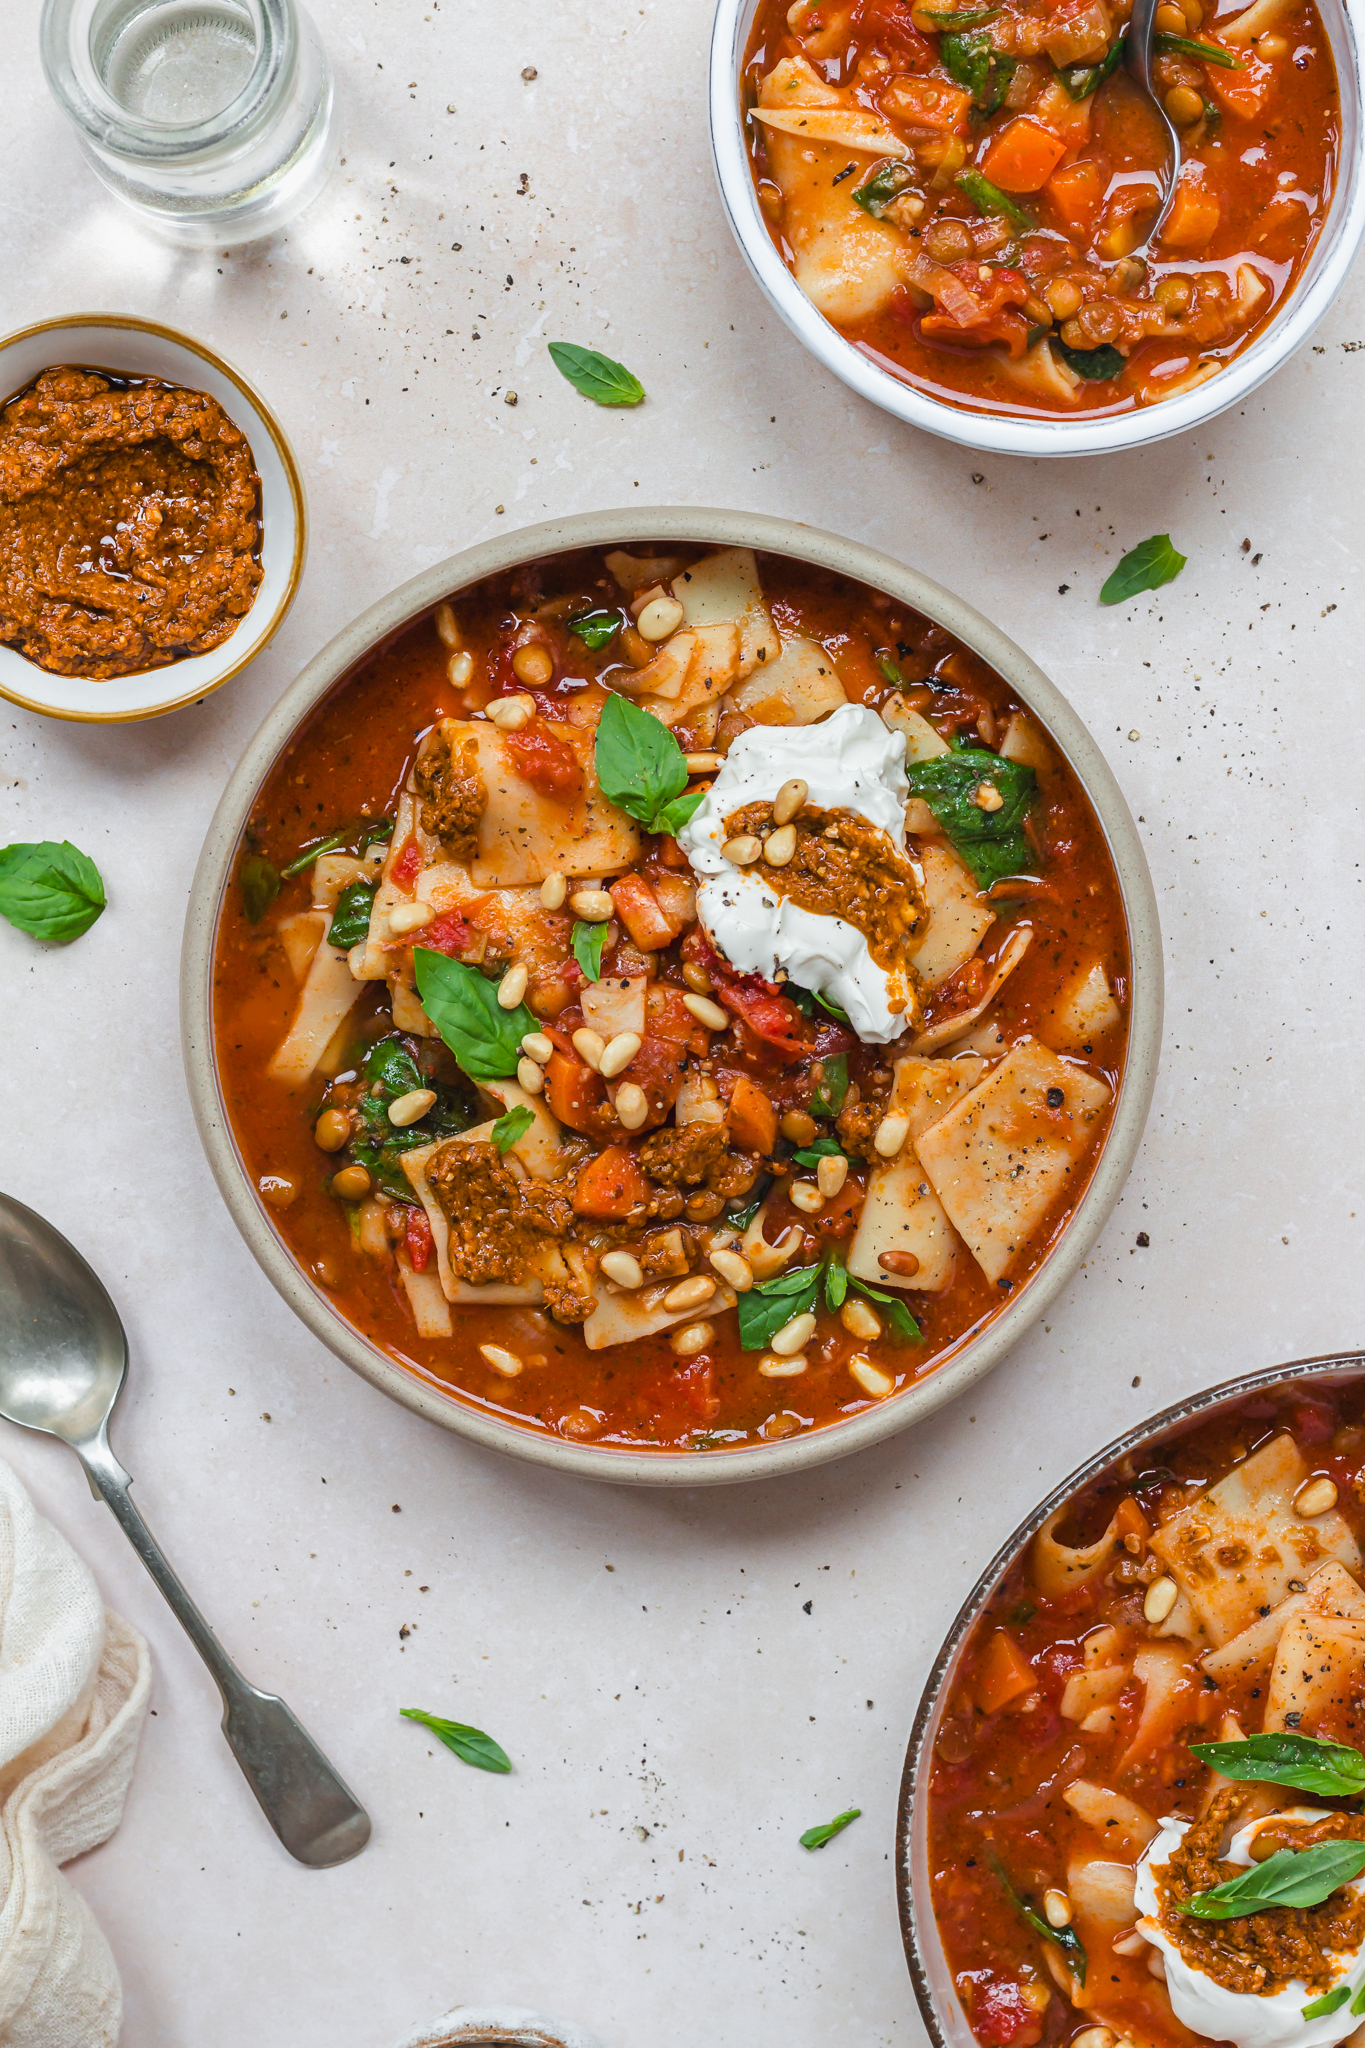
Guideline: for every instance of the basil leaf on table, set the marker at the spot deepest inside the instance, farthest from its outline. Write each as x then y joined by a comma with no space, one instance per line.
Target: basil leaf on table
1330,1768
259,881
885,185
470,1745
485,1038
596,376
1185,46
351,918
595,629
1331,2001
832,1090
1291,1877
515,1124
641,768
988,198
1145,567
991,842
1095,363
51,890
816,1838
589,941
767,1307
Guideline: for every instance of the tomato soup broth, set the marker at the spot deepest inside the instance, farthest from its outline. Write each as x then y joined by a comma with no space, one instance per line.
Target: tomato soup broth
791,1102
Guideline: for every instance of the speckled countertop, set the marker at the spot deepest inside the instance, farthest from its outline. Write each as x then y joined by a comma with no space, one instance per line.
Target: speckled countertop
685,1681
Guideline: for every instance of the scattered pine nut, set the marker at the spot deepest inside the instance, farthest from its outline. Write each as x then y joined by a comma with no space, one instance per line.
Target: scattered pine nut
460,668
690,1293
409,917
780,846
412,1107
530,1077
831,1174
660,617
732,1267
624,1269
789,800
553,891
590,1046
706,1012
1162,1595
1315,1497
860,1319
790,1338
537,1047
1057,1907
512,987
870,1377
987,797
890,1134
692,1338
744,851
505,1362
632,1105
806,1196
510,714
702,764
773,1368
697,978
594,906
618,1053
1095,2037
447,630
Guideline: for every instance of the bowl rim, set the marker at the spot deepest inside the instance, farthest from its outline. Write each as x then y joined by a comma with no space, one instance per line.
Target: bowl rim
1225,1393
298,503
1004,434
627,526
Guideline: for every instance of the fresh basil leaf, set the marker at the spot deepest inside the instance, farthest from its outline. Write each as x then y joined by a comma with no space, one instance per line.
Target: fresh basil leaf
885,185
836,1283
470,1745
1331,2001
390,1067
1095,363
596,376
820,1148
816,1838
1081,80
1064,1938
51,890
740,1219
902,1323
1145,567
351,918
596,629
485,1038
767,1307
1358,2003
674,816
309,854
640,766
832,1088
1291,1877
988,198
986,72
1330,1768
588,942
1184,46
992,843
515,1124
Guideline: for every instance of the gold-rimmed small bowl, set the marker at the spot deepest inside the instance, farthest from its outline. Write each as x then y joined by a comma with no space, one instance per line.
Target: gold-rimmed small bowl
143,348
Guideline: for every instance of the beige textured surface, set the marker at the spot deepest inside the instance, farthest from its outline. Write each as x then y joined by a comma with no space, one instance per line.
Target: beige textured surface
686,1692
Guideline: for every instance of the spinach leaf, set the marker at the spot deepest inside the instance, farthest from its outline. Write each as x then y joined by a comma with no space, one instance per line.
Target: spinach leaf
988,198
818,1149
1330,1768
259,882
588,943
740,1219
1095,363
772,1303
470,1745
1184,46
1291,1877
890,669
51,890
902,1323
836,1283
365,833
806,999
1081,80
816,1838
351,918
641,767
886,184
596,628
991,842
596,376
986,72
515,1124
1145,567
485,1038
1331,2001
1064,1938
309,854
390,1067
832,1088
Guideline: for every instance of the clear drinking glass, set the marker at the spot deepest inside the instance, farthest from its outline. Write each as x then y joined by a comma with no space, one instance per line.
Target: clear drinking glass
212,119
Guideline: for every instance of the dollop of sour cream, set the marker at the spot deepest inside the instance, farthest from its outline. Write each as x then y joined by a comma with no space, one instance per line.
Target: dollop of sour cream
851,762
1252,2020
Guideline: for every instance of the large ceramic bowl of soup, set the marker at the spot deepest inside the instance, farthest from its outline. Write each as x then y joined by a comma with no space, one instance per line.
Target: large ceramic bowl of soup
673,993
951,206
1131,1805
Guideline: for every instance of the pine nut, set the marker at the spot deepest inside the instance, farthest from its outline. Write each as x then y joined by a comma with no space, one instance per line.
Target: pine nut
871,1378
890,1134
594,906
744,851
510,714
1094,2037
352,1184
412,1107
447,630
460,668
537,1047
860,1319
533,664
589,1045
1128,1942
733,1268
1162,1595
692,1338
1057,1907
553,891
331,1130
632,1105
690,1293
1315,1498
530,1077
706,1012
831,1174
789,800
779,846
623,1269
619,1053
505,1362
987,797
697,978
806,1196
660,617
512,987
904,1263
798,1126
793,1335
781,1368
409,917
702,764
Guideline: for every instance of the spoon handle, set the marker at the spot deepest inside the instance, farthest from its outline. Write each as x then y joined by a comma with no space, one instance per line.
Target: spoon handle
314,1813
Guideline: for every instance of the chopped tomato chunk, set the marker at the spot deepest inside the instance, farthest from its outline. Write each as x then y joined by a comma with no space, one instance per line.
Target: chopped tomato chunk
1076,194
976,302
889,23
447,934
408,865
546,761
417,1240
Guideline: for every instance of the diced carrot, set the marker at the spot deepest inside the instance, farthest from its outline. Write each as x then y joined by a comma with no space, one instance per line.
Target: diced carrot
1066,117
926,103
1023,156
667,852
638,909
1005,1674
408,864
574,1093
1129,1520
1194,216
611,1185
753,1117
1246,92
1076,195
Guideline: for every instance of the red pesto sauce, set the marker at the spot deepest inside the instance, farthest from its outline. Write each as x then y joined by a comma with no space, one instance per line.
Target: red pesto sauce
998,1776
352,756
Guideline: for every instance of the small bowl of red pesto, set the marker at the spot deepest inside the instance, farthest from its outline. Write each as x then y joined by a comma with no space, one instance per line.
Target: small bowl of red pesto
1131,1803
952,204
152,520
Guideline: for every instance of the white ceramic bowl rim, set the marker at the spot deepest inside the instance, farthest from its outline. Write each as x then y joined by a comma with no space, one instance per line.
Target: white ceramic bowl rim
1325,273
619,528
923,1953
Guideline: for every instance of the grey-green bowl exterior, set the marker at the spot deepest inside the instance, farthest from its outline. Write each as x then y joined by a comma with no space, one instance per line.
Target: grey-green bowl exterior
625,528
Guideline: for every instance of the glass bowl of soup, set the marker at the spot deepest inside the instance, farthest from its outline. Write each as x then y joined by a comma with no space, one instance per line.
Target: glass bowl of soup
673,995
952,205
1155,1690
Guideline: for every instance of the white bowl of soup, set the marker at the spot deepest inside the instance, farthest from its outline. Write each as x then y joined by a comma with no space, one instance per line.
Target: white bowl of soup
949,204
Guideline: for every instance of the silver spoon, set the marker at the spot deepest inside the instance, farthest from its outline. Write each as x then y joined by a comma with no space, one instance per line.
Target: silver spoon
1137,60
63,1357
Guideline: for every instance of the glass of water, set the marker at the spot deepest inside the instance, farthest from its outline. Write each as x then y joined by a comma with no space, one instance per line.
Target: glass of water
212,119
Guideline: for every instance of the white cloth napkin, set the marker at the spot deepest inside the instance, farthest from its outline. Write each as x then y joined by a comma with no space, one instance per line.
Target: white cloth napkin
74,1686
